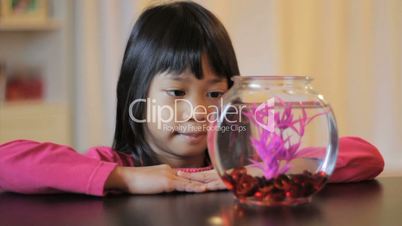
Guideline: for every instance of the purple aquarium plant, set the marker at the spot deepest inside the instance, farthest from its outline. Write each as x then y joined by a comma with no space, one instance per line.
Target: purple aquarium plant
276,149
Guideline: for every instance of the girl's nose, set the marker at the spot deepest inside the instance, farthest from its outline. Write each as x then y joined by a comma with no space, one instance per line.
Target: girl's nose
199,111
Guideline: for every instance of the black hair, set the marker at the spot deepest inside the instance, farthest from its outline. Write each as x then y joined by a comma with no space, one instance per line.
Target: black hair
166,38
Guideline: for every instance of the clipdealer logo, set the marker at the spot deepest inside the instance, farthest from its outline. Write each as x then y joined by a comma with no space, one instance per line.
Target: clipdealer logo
165,114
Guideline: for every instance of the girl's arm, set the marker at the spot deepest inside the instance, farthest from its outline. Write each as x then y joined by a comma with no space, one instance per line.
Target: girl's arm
31,167
357,160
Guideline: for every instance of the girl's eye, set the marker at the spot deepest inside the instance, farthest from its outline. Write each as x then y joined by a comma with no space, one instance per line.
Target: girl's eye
176,93
215,94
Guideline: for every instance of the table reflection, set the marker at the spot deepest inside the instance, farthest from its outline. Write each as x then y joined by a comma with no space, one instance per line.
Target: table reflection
213,208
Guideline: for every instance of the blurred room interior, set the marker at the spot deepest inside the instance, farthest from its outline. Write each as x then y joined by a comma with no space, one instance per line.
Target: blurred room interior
70,52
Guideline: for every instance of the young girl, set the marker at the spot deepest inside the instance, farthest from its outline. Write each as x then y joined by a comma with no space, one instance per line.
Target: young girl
176,51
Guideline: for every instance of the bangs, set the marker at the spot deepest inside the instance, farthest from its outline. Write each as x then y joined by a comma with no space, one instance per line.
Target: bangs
181,36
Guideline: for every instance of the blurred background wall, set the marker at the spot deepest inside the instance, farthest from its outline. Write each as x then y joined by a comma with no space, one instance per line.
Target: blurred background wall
351,48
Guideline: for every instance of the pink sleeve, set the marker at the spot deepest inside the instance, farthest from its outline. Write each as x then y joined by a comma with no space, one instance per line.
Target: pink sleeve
31,167
357,160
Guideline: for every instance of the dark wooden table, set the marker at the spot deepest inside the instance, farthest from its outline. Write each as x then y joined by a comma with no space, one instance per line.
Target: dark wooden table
377,202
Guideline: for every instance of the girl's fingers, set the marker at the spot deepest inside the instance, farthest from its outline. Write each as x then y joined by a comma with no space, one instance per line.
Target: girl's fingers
210,178
216,185
204,177
182,184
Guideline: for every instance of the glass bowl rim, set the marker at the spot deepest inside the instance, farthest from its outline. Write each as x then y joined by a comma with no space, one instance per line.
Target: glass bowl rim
273,77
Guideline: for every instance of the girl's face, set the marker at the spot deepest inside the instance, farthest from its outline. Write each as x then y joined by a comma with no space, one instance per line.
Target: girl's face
179,107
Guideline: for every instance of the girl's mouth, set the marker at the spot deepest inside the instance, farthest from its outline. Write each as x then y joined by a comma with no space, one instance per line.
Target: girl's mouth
193,138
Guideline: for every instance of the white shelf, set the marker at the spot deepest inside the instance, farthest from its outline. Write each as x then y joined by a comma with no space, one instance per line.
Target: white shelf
46,44
36,121
49,25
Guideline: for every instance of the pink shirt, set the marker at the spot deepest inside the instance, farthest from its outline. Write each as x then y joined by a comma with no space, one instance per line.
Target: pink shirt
32,168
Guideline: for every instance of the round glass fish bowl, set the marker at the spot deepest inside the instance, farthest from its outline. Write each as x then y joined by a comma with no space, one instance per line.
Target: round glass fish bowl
274,140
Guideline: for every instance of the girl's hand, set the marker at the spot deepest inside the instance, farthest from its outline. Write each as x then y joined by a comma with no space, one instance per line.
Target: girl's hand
210,178
151,180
